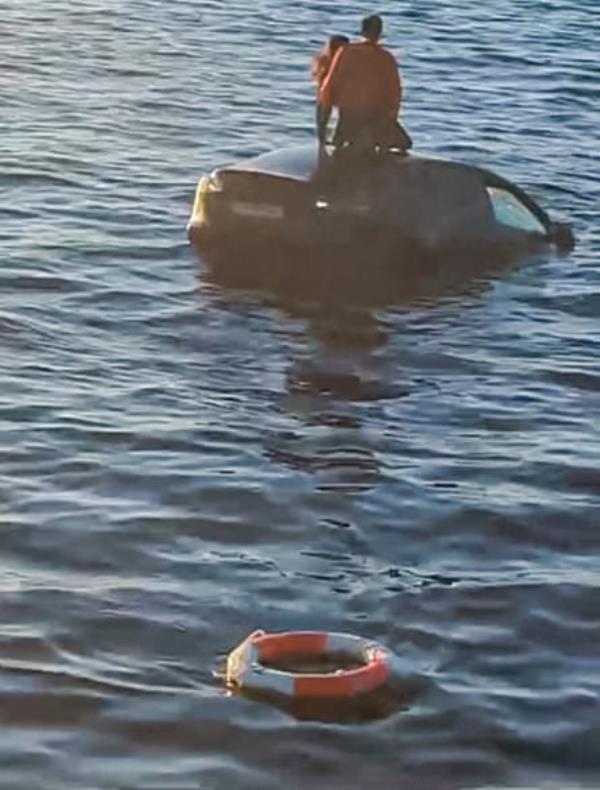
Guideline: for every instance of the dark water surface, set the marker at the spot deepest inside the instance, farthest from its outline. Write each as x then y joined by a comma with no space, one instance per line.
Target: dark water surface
182,463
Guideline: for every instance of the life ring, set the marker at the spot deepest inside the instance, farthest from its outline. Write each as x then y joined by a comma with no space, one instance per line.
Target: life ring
245,669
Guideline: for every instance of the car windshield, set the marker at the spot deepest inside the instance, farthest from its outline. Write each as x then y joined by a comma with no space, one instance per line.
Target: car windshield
509,210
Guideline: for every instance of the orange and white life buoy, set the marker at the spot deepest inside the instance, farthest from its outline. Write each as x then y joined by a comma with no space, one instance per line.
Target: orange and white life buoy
245,668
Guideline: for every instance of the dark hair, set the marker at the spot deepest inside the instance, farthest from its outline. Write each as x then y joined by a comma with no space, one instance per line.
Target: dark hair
322,61
372,26
334,43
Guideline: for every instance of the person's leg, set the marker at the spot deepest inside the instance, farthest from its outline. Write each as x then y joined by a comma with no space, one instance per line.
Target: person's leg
354,132
340,136
392,135
402,139
322,117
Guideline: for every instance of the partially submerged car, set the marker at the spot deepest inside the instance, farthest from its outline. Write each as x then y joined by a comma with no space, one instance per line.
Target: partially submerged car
390,203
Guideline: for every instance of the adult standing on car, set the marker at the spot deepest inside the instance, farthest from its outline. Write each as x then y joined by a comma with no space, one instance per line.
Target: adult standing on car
364,84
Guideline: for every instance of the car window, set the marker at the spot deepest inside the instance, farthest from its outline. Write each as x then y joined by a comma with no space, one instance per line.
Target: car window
508,210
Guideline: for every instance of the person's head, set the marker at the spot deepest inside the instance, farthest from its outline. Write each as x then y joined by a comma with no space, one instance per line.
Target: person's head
335,43
372,27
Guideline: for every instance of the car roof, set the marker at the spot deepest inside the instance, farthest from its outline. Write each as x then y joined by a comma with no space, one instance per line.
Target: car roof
302,163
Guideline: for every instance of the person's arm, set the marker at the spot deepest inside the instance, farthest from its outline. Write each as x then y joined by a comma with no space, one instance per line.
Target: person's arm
393,87
323,115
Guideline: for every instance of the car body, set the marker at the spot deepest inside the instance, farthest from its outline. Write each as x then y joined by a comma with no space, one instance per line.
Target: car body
391,204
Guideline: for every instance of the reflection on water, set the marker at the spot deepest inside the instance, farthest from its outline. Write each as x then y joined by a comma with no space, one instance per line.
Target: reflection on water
339,357
342,361
339,279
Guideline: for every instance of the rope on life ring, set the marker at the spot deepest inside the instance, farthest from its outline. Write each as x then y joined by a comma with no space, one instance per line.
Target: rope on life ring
245,667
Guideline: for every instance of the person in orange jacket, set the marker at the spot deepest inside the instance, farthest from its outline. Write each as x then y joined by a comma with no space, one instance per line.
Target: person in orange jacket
364,84
320,69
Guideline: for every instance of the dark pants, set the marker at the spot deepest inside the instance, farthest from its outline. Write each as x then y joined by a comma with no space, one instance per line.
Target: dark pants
369,131
322,119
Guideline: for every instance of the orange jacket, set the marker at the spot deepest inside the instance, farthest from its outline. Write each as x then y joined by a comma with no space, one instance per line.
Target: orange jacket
363,76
